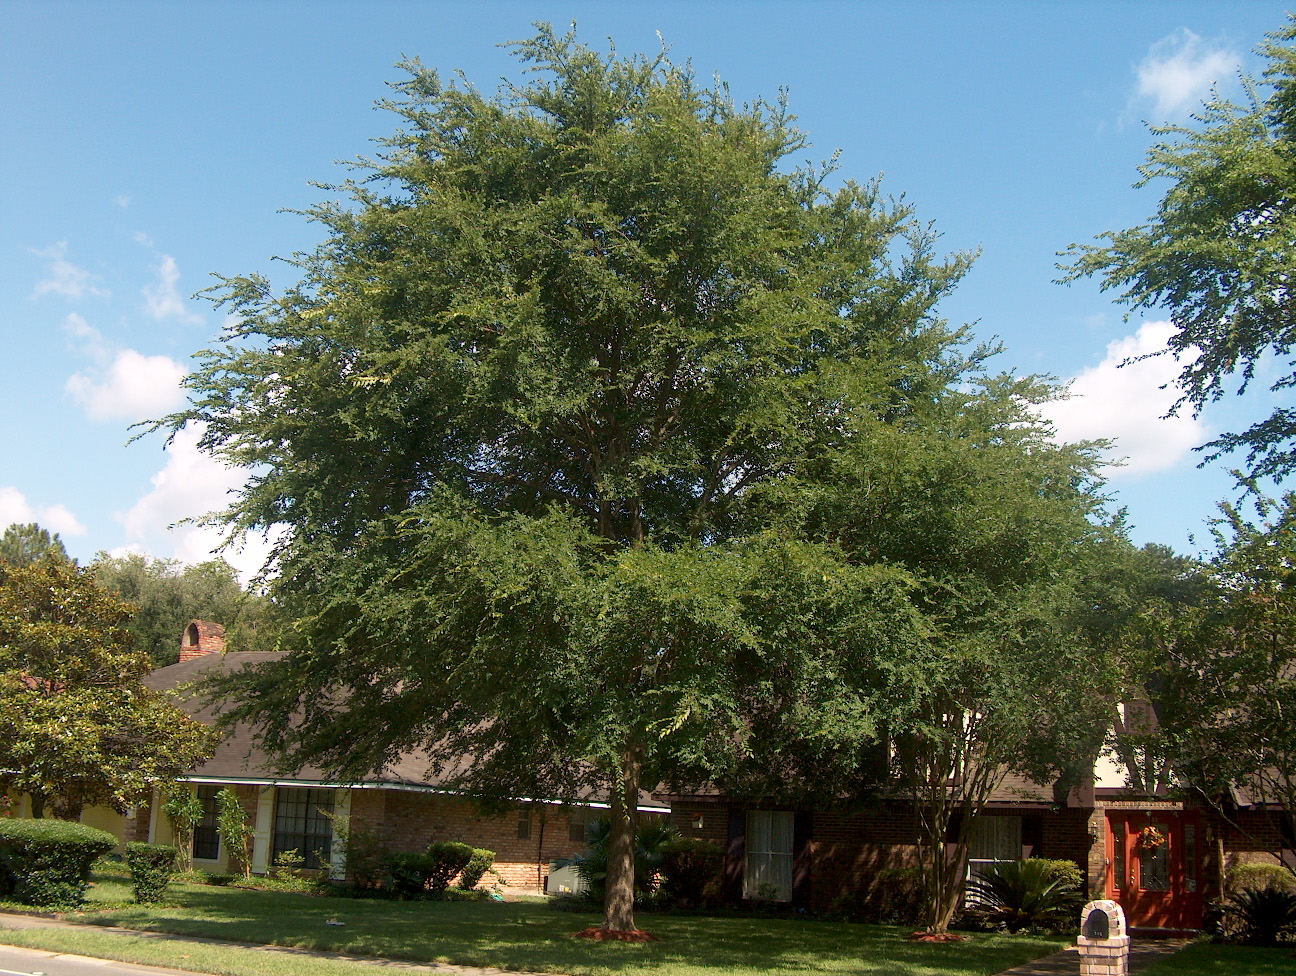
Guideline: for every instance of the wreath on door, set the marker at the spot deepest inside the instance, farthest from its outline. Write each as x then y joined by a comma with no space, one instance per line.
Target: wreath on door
1150,838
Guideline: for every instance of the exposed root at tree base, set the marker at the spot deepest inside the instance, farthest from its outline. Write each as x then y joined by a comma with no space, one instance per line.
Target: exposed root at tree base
605,935
936,937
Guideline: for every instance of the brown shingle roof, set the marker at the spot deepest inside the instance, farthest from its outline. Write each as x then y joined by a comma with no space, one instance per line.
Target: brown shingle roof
240,757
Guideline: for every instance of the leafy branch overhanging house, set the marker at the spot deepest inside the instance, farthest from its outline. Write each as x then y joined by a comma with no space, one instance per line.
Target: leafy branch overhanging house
1137,840
407,806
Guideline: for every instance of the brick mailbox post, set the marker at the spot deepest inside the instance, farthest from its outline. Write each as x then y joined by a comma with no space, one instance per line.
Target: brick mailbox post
1104,941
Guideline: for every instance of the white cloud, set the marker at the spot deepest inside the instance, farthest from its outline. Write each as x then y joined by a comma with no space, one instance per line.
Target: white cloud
1178,73
122,200
190,485
14,507
65,278
132,387
1128,404
123,383
163,298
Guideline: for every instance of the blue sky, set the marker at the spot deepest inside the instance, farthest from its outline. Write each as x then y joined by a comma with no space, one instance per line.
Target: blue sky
145,146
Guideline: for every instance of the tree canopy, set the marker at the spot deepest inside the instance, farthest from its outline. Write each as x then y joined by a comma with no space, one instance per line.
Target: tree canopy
77,727
1218,254
557,423
1221,655
25,543
167,594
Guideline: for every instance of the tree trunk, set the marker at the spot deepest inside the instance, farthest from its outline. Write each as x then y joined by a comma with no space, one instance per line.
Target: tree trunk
618,904
38,806
67,808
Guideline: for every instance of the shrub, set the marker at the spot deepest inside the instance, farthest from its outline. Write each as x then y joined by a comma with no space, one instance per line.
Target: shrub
287,874
1255,875
408,873
1016,895
892,895
478,864
449,858
689,871
151,867
651,840
1068,872
47,862
1260,916
364,853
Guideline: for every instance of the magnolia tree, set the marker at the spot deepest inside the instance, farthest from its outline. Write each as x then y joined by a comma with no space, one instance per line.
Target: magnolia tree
77,726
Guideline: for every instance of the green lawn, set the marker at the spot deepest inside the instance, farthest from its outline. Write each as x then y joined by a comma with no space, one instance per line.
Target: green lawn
1204,959
523,936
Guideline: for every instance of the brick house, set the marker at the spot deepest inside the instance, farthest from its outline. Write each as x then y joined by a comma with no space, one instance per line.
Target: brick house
818,857
407,806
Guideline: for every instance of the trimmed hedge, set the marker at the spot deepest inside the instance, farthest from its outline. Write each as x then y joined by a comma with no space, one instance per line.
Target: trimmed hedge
478,864
449,859
409,873
151,867
1258,875
47,862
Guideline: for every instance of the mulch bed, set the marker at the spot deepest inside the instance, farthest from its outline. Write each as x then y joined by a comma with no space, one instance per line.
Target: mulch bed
604,935
936,937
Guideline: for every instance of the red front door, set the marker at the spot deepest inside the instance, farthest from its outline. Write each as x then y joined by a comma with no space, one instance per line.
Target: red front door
1154,868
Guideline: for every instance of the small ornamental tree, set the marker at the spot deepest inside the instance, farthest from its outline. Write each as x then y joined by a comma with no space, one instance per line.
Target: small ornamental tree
235,830
184,810
77,726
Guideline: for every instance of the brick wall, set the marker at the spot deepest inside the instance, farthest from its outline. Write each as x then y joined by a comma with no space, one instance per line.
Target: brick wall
701,820
849,847
410,821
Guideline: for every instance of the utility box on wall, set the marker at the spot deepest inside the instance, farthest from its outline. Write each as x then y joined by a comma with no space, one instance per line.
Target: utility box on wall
563,881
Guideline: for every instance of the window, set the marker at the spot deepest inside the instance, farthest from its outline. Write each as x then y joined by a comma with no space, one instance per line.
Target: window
993,840
524,823
580,823
767,867
206,838
302,824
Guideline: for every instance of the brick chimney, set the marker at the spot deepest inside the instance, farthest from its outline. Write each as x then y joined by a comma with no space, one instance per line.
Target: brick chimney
202,637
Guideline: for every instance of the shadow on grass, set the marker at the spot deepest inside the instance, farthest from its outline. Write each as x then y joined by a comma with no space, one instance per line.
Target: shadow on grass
1207,959
533,938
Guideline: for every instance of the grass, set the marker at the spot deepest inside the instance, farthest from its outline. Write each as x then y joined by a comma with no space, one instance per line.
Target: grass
520,936
1206,959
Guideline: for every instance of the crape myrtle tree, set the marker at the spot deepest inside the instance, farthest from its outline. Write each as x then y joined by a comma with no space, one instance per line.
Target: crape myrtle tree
1001,532
1218,254
511,421
77,726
